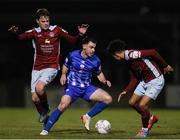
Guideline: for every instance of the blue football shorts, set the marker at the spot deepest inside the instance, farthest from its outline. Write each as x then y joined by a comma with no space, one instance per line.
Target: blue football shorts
76,92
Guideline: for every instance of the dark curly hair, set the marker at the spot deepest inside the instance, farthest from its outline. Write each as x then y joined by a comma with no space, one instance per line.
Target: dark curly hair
116,46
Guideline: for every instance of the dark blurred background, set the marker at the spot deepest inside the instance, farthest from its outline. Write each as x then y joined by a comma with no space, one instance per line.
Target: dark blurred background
142,24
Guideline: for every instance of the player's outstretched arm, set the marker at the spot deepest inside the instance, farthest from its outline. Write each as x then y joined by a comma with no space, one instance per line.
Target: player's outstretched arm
155,55
73,39
13,29
83,29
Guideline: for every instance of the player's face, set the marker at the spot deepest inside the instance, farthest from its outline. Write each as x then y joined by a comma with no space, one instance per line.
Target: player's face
89,49
43,22
119,55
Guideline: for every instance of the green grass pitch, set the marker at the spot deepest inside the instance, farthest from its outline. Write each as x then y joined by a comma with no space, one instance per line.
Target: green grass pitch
22,123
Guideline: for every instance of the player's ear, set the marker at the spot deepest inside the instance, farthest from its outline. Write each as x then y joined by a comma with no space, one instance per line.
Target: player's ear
83,46
37,21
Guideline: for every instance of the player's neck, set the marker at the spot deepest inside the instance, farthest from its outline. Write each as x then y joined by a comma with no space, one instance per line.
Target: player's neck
83,54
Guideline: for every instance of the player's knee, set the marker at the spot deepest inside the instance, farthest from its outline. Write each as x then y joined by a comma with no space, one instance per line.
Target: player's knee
35,99
142,106
39,89
131,103
62,106
108,99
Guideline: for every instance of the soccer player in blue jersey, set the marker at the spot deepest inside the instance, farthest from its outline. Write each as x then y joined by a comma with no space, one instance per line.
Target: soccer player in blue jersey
80,65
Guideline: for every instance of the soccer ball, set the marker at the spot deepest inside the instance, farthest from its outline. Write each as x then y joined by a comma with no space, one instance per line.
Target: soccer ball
103,126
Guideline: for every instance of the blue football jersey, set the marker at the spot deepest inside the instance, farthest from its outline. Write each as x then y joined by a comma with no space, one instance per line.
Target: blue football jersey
81,69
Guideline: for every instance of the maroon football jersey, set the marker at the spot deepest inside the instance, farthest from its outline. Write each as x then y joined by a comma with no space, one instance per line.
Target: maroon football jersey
47,45
144,66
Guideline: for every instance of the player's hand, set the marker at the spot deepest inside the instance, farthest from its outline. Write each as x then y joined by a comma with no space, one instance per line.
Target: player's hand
121,95
82,29
13,29
108,83
63,79
168,69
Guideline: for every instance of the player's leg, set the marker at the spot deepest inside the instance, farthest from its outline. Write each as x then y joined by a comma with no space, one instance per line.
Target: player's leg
133,102
145,115
35,98
136,97
68,98
64,104
40,90
37,102
138,102
46,76
153,88
102,98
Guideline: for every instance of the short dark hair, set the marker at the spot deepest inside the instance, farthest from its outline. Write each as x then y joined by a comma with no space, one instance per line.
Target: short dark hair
87,39
42,12
116,46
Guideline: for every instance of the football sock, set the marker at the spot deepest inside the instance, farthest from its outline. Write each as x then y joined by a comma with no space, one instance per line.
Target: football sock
151,116
146,129
145,118
44,101
138,109
52,119
38,107
97,108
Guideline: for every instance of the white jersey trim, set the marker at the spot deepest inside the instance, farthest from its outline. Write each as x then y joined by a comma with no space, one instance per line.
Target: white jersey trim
152,67
126,56
134,54
37,29
50,28
34,46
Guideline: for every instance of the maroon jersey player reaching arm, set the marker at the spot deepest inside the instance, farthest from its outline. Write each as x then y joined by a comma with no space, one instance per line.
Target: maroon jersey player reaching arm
46,42
146,81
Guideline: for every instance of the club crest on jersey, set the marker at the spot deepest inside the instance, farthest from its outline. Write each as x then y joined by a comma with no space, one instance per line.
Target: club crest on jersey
83,61
47,41
82,66
66,60
67,90
135,54
51,34
39,35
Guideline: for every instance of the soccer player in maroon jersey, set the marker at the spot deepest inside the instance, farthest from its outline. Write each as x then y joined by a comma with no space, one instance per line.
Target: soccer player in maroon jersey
147,79
46,42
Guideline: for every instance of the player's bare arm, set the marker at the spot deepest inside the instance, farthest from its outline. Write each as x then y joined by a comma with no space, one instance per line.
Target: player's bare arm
63,75
103,79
